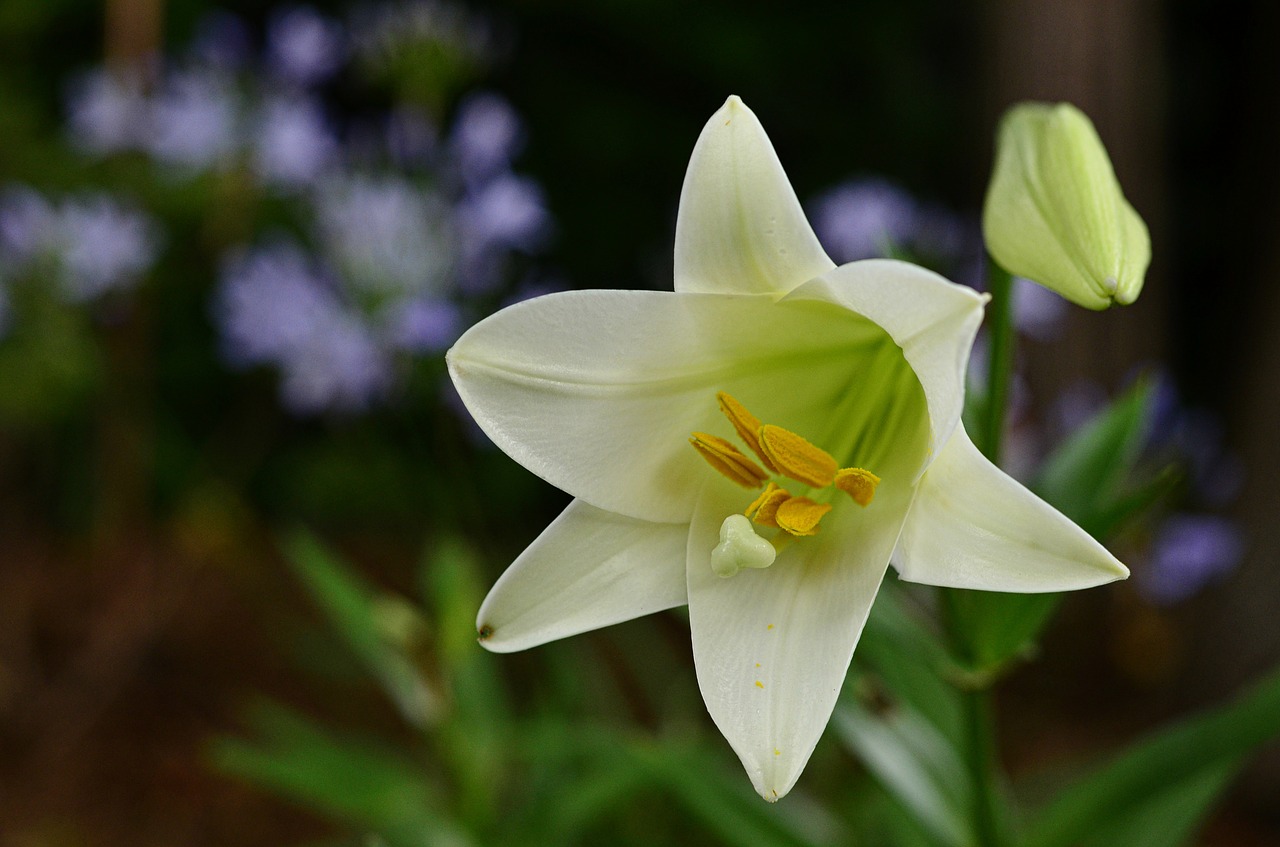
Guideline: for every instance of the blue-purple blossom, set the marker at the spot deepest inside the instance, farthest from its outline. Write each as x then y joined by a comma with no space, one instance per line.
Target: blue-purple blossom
107,112
864,219
90,243
1188,553
105,245
276,306
487,136
426,325
507,214
1038,312
294,143
303,46
195,120
389,238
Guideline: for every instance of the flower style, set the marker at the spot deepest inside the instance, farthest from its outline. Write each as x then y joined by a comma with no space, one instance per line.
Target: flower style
857,456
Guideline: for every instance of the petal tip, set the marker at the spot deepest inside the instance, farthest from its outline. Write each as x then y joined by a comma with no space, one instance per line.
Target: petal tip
484,637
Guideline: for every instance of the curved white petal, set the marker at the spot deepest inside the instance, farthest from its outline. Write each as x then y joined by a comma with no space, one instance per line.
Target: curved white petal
973,526
934,322
740,229
590,568
772,646
597,391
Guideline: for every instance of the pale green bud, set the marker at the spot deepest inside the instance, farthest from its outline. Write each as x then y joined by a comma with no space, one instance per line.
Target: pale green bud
1055,213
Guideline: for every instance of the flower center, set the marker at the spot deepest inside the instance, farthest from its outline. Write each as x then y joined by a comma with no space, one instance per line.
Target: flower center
783,453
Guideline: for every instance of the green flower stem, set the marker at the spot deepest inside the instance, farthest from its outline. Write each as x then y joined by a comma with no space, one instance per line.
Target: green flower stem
979,748
980,756
1000,370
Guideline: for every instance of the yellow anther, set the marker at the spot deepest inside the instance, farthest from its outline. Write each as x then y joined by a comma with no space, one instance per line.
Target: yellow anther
728,459
800,515
857,483
795,457
745,423
764,508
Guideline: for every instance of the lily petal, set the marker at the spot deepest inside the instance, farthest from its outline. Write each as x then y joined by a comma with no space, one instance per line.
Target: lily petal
933,320
973,526
597,391
772,646
590,568
740,228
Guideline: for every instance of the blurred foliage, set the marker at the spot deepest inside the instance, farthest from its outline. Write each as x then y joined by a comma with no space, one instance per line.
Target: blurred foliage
123,416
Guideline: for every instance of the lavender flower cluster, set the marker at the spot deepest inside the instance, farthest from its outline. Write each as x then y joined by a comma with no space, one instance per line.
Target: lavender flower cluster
82,245
401,225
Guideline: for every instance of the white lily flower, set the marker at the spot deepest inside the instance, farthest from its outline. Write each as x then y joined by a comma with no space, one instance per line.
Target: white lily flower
857,456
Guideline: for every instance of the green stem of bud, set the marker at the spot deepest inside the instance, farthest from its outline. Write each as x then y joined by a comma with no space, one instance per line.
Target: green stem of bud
1000,367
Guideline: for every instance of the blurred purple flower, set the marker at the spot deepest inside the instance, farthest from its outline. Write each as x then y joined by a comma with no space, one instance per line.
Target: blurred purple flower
863,219
294,142
92,243
276,307
105,245
303,46
487,135
106,112
506,214
1188,553
426,326
1197,439
194,120
1037,312
27,222
387,237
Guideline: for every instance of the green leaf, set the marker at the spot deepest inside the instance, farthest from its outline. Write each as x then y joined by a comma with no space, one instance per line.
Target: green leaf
381,629
996,627
1191,761
1091,469
1090,479
1170,818
724,801
909,660
354,780
915,764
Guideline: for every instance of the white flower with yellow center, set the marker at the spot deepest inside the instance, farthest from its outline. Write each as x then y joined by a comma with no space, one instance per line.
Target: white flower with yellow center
758,444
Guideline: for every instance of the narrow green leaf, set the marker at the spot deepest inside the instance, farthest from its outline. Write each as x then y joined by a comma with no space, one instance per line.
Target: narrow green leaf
909,659
1091,468
1170,819
996,626
378,627
915,764
1179,759
724,801
1090,478
354,780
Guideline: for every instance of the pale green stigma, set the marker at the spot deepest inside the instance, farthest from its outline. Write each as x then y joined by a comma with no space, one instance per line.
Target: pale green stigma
740,548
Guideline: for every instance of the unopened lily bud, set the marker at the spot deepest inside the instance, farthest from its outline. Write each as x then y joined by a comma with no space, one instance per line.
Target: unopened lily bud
1055,213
